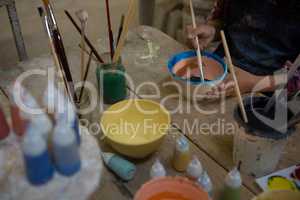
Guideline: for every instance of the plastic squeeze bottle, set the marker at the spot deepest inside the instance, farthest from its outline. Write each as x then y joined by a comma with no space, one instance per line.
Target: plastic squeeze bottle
232,187
123,168
194,169
205,182
65,150
157,170
38,166
182,155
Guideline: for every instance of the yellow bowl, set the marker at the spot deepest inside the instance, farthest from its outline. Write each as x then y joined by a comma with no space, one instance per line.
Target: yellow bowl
135,127
279,195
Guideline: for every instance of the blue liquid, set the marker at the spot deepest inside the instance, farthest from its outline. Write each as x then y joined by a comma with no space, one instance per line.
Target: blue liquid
39,169
67,159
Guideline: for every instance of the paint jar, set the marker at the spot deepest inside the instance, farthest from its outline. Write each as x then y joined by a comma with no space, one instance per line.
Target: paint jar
38,165
111,82
65,150
257,145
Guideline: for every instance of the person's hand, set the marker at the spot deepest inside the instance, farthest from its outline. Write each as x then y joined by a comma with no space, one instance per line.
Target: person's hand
288,64
205,33
246,83
225,88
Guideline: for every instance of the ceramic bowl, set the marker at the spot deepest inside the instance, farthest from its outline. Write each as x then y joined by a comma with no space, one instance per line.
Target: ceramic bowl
171,188
214,69
135,127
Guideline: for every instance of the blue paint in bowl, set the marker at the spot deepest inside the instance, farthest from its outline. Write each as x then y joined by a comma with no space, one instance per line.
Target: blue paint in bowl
189,54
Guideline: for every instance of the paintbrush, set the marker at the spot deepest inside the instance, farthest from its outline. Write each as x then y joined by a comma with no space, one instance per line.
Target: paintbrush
87,53
199,56
54,55
120,28
59,49
86,39
110,33
290,75
128,19
232,70
86,74
4,93
82,15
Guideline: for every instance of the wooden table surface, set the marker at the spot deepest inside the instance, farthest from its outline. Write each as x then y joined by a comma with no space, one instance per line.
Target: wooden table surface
214,151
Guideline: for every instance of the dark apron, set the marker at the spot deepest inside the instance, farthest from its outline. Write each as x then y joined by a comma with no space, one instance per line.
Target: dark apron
262,34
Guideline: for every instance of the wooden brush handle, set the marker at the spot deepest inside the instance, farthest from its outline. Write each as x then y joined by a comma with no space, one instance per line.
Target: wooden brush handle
199,56
128,19
231,68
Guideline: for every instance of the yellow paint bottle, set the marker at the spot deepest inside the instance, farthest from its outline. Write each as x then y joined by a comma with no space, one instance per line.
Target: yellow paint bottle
182,155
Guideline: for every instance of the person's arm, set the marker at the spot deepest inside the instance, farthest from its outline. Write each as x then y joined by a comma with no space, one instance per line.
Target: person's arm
217,15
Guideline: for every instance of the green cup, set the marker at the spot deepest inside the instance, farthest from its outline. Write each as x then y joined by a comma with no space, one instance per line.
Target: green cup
111,82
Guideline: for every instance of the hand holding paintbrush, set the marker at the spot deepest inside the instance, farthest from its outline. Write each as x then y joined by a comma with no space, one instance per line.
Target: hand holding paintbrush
82,15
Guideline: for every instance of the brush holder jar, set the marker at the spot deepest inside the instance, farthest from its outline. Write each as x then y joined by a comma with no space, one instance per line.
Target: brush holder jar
111,82
257,145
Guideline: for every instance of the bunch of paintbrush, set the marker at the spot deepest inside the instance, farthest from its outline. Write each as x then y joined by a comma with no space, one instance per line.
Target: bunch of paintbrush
93,49
110,32
124,29
59,49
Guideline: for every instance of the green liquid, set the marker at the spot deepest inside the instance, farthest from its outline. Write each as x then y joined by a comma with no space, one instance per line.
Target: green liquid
231,193
112,82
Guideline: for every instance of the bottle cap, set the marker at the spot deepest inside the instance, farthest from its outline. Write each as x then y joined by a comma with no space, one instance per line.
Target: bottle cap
63,135
182,144
233,179
205,182
157,170
194,169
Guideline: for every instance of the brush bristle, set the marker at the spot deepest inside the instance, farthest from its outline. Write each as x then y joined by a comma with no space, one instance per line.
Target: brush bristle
41,11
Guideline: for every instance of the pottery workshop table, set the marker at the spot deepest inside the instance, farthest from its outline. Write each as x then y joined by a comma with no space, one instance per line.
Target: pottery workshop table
214,151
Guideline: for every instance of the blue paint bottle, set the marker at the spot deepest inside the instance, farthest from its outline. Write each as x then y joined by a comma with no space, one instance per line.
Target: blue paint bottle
38,166
65,150
74,122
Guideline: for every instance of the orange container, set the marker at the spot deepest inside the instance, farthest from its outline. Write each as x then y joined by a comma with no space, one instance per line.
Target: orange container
177,188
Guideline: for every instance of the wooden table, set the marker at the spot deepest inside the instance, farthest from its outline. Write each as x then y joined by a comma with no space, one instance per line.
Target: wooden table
214,151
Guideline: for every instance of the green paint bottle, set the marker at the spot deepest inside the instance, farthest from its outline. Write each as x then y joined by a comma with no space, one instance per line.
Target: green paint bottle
111,82
233,186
